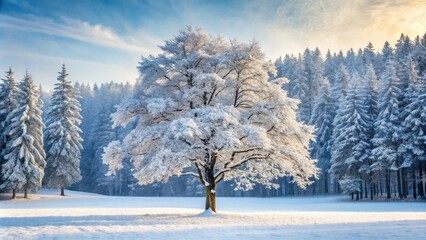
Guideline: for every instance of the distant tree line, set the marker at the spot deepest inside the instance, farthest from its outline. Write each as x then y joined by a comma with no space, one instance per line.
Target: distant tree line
369,110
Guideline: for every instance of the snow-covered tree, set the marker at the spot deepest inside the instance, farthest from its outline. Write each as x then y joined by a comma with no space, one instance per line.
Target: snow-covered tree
341,82
298,81
386,55
369,100
287,68
350,149
62,135
387,124
350,185
313,68
8,102
322,119
419,53
369,56
413,91
416,121
206,108
351,62
413,130
24,154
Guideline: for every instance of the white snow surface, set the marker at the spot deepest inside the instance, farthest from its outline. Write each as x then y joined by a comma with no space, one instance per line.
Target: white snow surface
89,216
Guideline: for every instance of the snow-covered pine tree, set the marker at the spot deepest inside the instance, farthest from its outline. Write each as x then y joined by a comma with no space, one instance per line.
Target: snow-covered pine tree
341,82
409,97
417,119
330,68
339,93
359,61
403,58
24,154
419,53
206,108
413,129
369,56
62,135
8,102
386,55
313,67
322,119
369,98
351,146
287,69
299,88
387,125
351,61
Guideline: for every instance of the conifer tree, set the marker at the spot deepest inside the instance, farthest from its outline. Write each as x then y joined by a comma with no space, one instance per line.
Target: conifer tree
62,135
322,119
387,124
369,100
413,128
24,154
419,53
350,148
8,102
298,86
409,99
386,55
341,81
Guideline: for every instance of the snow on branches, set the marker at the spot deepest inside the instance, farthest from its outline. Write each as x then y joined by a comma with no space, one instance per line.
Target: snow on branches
207,108
62,135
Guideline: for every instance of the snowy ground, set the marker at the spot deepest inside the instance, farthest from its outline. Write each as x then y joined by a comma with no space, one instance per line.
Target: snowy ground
82,216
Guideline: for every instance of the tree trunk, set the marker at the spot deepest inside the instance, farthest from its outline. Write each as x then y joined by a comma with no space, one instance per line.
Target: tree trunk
25,192
414,184
371,191
13,193
421,193
211,198
361,189
375,189
338,187
62,191
357,196
404,183
399,183
326,182
424,184
365,189
388,190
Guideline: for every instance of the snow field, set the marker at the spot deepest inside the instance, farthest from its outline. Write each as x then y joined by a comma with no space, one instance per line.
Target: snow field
90,216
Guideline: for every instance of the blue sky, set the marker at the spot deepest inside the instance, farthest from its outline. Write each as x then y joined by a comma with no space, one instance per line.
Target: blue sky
102,41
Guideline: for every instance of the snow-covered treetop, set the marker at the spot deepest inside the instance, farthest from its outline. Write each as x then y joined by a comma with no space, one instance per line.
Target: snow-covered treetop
206,107
8,92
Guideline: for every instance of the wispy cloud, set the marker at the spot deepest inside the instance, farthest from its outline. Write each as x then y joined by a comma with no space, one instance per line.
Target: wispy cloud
56,59
74,29
44,68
